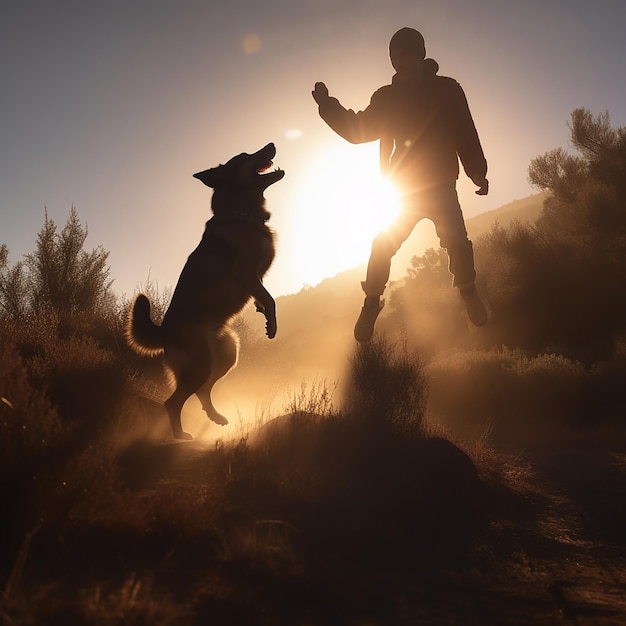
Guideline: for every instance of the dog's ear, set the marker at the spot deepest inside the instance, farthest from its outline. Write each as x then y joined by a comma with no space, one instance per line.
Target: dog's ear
211,178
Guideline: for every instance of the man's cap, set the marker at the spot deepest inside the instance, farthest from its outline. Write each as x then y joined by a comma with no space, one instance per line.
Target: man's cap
409,39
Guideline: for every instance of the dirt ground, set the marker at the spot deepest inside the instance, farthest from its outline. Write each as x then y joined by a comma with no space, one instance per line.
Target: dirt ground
559,559
553,552
581,493
550,549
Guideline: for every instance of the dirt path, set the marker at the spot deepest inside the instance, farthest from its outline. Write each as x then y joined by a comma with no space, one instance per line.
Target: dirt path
585,518
559,559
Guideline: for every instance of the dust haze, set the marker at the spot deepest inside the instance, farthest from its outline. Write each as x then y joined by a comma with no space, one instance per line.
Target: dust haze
315,345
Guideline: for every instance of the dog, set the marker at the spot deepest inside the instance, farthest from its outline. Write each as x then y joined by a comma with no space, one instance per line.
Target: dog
219,278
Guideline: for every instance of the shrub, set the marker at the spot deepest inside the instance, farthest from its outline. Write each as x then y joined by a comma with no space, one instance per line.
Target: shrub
387,389
506,390
85,381
31,440
29,423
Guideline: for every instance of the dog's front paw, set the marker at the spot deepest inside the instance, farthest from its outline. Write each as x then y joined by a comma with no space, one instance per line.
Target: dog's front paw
270,329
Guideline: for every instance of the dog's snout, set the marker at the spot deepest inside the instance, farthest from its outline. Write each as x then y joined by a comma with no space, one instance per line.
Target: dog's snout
268,151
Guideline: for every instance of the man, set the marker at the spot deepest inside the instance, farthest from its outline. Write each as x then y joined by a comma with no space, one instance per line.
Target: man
424,126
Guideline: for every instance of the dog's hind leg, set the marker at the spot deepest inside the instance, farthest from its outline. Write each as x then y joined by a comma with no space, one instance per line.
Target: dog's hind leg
174,405
191,367
224,350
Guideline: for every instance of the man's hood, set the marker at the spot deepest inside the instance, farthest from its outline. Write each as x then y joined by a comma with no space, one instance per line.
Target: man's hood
431,67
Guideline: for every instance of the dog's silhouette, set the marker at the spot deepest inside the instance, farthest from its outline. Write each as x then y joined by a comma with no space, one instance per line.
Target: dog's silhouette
221,275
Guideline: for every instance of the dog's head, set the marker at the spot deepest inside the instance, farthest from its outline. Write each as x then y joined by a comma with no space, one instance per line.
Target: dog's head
244,172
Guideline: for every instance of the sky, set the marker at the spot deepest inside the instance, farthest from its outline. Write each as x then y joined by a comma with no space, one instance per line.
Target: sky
111,106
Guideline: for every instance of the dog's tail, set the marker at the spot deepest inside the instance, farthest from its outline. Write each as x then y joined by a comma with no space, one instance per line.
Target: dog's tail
142,334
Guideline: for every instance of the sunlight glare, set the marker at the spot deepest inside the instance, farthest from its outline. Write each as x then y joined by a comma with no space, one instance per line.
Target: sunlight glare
343,203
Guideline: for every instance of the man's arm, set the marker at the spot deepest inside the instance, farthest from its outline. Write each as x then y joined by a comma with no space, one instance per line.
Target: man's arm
468,144
358,127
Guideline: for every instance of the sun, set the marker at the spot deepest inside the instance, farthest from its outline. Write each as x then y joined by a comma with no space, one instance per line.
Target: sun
343,203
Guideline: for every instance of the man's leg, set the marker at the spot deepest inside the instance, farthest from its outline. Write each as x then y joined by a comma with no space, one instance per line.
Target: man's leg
384,246
450,226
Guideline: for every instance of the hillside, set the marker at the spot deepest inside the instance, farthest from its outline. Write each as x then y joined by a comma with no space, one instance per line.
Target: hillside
524,210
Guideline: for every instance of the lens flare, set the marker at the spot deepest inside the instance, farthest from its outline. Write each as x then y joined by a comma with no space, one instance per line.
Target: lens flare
293,133
251,43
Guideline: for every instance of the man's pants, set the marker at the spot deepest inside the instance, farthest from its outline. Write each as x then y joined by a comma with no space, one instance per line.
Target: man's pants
441,206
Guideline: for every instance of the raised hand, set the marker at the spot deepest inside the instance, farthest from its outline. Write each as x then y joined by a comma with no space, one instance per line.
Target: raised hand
320,92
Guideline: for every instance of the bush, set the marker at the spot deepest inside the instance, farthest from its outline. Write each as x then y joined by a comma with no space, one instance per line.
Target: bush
387,387
507,391
29,423
31,440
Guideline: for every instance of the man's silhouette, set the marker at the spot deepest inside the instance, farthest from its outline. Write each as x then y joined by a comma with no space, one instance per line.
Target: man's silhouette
424,126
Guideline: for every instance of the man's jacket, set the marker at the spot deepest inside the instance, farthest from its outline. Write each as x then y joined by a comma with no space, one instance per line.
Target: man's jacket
424,129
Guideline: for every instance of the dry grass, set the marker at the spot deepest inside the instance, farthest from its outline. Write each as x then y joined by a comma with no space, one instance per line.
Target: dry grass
366,512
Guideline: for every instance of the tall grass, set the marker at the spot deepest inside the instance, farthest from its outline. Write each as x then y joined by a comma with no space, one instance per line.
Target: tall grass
387,388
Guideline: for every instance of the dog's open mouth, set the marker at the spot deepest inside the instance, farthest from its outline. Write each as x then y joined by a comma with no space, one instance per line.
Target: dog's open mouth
269,175
265,167
264,158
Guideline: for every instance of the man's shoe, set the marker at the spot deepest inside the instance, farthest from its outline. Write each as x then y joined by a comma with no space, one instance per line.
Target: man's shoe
364,327
476,310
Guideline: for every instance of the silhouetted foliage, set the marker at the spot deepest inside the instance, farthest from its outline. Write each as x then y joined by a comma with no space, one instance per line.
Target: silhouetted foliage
602,159
553,285
388,387
63,276
31,434
58,310
59,277
578,242
12,287
515,394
